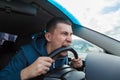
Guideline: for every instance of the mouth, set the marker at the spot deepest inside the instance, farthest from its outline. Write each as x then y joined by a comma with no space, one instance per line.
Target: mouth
65,45
62,54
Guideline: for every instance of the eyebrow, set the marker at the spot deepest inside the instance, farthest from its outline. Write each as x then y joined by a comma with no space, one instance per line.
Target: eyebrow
67,32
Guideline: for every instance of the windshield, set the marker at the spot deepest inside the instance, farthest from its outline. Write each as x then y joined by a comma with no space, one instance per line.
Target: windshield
102,16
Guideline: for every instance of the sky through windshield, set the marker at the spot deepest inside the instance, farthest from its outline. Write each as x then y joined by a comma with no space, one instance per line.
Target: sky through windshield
102,15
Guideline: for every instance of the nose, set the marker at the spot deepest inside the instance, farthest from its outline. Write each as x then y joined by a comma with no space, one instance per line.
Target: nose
69,39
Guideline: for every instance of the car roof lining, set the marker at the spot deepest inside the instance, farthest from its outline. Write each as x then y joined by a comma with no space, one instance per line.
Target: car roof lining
18,7
18,23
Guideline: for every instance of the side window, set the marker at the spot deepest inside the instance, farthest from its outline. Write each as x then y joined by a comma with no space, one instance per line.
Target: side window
7,37
84,47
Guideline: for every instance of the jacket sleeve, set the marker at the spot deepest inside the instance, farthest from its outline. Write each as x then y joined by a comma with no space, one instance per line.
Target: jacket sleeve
13,69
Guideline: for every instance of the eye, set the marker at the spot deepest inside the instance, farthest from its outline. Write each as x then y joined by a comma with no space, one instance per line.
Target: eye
65,33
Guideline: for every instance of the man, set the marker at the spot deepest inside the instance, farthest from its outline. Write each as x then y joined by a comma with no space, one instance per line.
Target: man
33,61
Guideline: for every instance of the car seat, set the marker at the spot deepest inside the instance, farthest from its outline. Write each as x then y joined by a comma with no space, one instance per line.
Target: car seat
7,50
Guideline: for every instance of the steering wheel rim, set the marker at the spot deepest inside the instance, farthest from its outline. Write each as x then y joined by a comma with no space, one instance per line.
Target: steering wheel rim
61,49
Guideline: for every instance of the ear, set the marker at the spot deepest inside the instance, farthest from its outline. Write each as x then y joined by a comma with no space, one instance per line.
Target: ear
48,36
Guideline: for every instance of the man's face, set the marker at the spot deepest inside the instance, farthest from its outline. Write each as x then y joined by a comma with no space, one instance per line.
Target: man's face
61,37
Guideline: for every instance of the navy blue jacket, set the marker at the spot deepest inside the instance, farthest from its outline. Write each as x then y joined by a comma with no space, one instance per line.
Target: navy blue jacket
26,56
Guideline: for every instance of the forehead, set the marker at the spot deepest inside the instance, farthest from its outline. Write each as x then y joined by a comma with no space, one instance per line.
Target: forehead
63,27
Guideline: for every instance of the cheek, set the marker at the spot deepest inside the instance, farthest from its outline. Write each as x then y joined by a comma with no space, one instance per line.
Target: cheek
58,41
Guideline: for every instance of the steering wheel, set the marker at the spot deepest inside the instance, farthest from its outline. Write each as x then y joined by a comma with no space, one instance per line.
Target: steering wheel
65,72
62,49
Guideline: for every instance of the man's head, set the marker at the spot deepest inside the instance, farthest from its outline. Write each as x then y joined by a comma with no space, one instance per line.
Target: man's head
58,33
51,25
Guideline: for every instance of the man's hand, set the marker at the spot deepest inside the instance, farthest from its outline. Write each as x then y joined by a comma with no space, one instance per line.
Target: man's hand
39,67
76,63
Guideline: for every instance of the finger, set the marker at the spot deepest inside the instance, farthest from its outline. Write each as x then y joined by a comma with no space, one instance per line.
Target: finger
47,64
75,60
43,69
46,69
48,59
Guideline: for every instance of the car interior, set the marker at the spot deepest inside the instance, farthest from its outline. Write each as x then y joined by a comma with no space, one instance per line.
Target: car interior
26,17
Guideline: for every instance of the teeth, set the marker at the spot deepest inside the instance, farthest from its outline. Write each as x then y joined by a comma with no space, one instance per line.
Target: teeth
64,46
